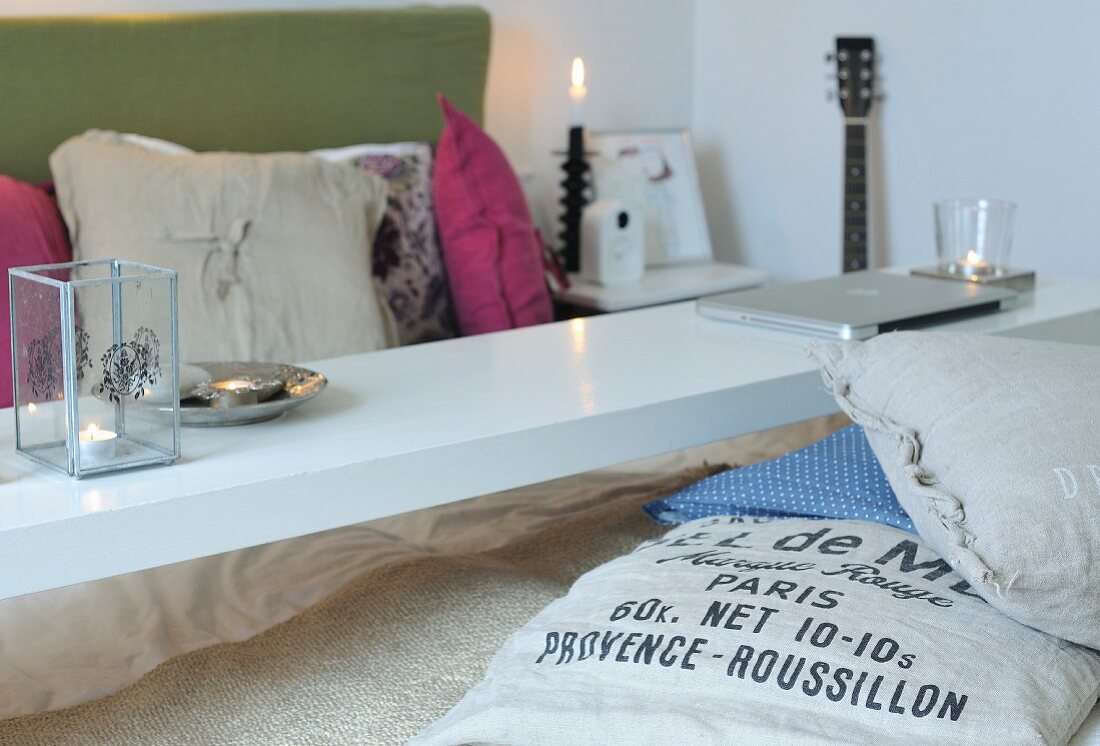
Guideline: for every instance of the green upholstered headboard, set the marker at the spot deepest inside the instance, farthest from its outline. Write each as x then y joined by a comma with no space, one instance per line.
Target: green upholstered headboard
250,82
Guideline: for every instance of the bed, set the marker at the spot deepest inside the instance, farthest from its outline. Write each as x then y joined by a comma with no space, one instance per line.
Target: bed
364,634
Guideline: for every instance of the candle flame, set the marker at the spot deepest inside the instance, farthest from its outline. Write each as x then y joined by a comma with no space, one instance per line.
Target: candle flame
93,430
578,72
32,408
972,257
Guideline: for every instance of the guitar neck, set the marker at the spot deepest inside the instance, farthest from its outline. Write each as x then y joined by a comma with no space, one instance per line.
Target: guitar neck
855,194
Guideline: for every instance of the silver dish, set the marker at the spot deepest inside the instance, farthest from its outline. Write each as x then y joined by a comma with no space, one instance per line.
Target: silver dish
295,386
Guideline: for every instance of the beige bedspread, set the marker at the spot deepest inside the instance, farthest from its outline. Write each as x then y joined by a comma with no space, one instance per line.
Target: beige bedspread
396,647
373,664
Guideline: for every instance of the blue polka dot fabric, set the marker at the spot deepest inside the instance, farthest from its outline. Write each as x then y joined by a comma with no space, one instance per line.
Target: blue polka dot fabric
838,477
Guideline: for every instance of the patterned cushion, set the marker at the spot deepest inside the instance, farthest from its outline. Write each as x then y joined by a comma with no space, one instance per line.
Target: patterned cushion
838,477
407,260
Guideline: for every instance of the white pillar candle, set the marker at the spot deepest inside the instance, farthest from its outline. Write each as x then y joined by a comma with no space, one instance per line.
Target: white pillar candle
97,445
577,92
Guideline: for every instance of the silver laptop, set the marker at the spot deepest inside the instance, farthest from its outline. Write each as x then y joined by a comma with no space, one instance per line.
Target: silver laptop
857,305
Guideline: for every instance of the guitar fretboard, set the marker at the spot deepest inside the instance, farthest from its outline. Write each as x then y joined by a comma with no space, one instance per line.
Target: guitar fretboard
855,196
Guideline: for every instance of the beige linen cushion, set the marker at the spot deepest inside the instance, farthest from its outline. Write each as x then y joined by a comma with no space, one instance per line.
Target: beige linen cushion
741,630
273,251
992,446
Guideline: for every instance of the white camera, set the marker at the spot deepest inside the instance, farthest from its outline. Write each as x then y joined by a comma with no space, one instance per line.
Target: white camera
612,243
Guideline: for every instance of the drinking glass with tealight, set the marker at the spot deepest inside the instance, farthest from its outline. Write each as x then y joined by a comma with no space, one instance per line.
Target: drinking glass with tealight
974,236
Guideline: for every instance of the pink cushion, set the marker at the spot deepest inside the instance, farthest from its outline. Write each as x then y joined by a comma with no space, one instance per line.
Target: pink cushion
493,258
31,232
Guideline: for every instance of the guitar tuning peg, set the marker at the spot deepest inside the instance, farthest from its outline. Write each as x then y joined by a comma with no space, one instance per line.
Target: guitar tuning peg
879,97
830,95
829,57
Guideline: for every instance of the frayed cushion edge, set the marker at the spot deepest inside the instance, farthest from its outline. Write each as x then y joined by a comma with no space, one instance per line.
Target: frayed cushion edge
941,504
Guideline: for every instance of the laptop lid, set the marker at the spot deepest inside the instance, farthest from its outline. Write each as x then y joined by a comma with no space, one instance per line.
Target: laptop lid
857,305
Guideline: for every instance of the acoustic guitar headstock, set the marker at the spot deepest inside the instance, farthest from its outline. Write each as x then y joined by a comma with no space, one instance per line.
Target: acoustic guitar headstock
855,75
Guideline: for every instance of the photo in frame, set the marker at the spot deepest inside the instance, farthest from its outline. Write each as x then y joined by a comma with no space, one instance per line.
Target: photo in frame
654,170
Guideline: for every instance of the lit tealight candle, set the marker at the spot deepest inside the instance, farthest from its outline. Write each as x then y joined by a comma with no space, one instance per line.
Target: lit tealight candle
235,393
973,264
577,91
97,445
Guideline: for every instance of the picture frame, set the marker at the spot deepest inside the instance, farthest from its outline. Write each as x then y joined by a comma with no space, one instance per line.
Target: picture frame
654,170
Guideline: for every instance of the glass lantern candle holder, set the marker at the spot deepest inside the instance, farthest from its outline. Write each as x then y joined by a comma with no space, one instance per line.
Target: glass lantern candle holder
95,365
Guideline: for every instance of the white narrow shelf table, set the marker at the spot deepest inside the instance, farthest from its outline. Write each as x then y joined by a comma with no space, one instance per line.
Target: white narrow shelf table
415,427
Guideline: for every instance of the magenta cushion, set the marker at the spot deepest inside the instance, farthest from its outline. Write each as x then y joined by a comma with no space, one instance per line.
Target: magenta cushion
31,232
492,255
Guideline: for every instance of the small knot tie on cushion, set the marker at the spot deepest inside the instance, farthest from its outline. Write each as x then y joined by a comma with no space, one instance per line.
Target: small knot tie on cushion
917,474
227,243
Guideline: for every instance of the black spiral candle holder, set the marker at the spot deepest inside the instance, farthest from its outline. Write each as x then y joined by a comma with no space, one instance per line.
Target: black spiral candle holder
576,185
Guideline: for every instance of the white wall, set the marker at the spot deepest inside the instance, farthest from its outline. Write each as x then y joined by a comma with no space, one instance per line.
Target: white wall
640,69
995,98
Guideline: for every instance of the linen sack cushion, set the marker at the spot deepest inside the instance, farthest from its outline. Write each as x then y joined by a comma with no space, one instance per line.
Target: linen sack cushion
272,250
992,446
31,232
492,253
758,630
836,477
